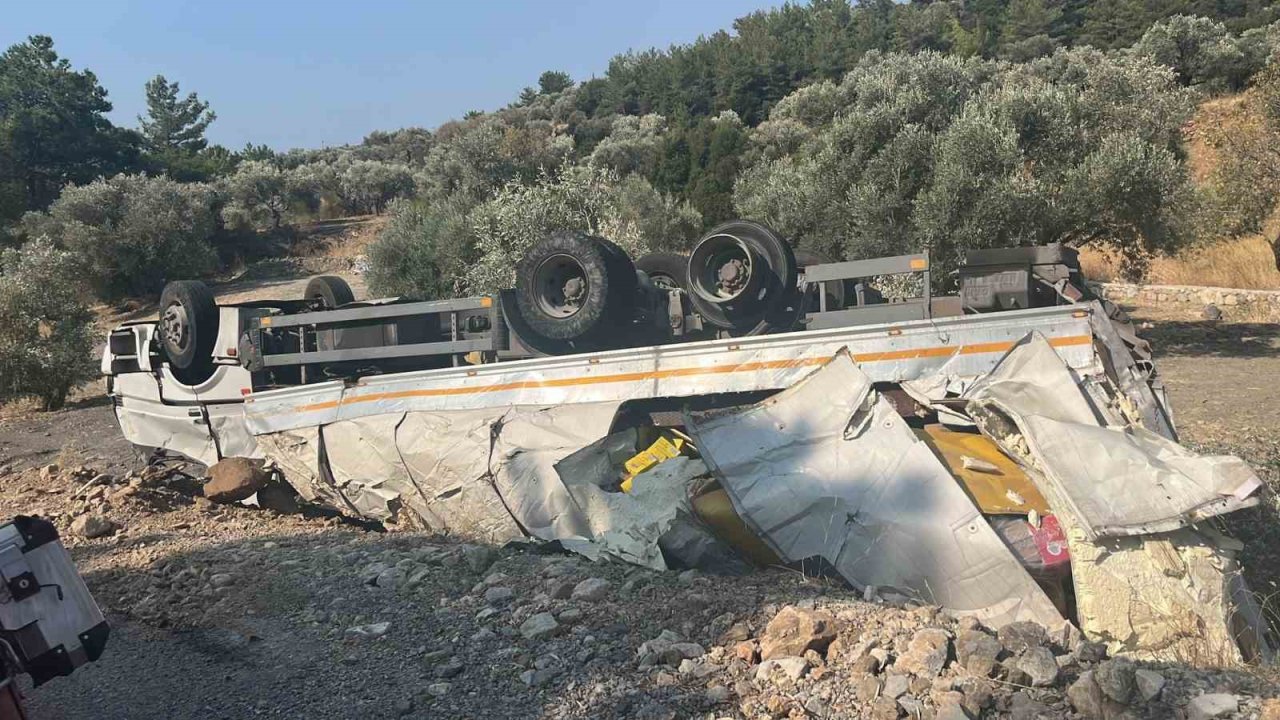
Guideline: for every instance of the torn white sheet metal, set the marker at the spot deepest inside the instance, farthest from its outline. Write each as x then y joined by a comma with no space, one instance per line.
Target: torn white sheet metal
888,352
628,526
1116,480
447,455
828,469
486,475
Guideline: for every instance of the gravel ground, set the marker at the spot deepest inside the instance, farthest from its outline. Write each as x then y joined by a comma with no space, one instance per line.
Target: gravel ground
232,612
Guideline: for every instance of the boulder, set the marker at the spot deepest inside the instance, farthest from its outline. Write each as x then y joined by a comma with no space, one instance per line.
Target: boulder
793,631
234,479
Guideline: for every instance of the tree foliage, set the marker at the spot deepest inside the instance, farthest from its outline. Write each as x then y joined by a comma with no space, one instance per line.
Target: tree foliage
132,233
45,324
423,252
1202,52
929,152
174,124
53,128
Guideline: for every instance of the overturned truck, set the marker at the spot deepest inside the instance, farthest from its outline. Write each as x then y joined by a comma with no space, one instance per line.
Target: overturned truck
1006,452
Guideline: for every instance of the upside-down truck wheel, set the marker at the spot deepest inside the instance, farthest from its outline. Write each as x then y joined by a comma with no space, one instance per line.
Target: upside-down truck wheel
329,291
740,274
572,287
667,270
188,327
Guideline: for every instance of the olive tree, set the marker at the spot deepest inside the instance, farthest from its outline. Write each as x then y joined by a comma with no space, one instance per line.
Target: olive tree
46,328
935,153
366,186
132,233
1201,51
257,193
632,146
423,252
627,211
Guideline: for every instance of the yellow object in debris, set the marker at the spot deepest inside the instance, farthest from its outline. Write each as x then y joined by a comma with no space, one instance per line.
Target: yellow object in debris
994,482
716,510
662,449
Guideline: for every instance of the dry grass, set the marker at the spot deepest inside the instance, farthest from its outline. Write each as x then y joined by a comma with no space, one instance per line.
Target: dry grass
1245,263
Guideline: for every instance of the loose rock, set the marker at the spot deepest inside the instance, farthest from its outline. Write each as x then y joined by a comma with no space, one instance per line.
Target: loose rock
591,589
1149,684
1039,665
926,655
1115,678
92,526
1212,705
235,479
1018,636
793,631
977,652
539,626
791,667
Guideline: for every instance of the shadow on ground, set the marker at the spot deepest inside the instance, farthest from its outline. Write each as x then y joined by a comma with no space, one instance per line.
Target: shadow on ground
1216,339
276,641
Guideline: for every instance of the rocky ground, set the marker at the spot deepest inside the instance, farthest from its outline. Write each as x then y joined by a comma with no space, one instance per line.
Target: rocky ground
223,611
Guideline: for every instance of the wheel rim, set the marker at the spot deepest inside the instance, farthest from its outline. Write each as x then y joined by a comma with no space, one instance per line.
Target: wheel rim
562,286
175,327
722,269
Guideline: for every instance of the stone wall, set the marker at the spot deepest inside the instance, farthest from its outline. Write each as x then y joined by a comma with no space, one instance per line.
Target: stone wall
1227,299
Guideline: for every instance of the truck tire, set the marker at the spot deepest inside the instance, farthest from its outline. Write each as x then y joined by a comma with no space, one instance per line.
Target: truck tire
188,327
667,270
740,273
329,291
572,286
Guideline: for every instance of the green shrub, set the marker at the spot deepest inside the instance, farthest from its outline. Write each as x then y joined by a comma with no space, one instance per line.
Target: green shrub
936,153
46,329
423,252
132,233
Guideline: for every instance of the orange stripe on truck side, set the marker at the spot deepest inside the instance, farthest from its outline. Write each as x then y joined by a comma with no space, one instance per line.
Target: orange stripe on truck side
911,354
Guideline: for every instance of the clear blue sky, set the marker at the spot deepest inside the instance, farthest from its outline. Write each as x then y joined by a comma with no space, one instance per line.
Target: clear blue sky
307,74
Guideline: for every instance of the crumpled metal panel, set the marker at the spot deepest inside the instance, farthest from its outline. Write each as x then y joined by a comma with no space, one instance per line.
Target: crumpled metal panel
367,470
828,469
447,456
297,455
527,445
628,526
154,424
1115,479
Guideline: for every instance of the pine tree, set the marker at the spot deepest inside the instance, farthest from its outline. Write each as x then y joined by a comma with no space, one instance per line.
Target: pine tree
173,124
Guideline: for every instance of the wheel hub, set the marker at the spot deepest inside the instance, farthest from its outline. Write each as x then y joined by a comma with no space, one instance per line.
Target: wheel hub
733,276
562,286
174,326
